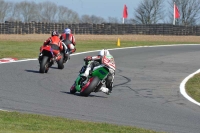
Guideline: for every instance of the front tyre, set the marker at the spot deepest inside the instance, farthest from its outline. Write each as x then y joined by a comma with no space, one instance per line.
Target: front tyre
44,65
73,89
89,86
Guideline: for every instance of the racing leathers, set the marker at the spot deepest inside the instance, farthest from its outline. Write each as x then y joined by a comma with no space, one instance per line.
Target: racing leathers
56,45
69,43
90,63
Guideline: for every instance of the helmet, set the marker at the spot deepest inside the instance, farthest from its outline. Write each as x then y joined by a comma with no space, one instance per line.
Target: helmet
104,52
67,31
54,33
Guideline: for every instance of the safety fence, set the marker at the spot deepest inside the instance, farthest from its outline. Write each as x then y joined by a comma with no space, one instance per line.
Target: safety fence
98,29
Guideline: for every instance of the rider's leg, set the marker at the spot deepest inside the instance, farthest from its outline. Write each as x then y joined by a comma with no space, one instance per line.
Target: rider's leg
71,48
87,70
64,46
109,81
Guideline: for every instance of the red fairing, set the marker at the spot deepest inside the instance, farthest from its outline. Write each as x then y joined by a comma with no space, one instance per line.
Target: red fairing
86,85
47,47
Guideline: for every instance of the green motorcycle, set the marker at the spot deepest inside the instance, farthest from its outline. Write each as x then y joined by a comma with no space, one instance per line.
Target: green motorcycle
96,78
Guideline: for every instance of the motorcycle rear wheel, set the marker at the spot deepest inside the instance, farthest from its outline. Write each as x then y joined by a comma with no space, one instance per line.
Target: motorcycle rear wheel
60,62
44,65
91,87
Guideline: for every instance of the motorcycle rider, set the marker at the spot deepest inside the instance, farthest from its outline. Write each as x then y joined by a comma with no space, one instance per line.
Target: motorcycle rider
55,43
69,42
93,61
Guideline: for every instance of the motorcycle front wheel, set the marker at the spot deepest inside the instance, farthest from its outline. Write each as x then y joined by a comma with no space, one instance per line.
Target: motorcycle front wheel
73,89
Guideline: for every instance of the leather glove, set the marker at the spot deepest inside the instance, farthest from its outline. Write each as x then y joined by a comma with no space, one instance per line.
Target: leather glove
88,58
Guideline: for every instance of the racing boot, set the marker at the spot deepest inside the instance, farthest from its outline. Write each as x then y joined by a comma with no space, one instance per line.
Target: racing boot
66,58
104,90
109,85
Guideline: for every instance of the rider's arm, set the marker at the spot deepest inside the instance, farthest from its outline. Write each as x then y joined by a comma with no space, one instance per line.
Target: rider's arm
92,58
47,41
96,58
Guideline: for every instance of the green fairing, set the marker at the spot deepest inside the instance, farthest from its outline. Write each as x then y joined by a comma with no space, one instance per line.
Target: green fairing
78,88
100,72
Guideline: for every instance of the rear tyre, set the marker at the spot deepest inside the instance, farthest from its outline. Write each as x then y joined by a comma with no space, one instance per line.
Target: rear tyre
93,84
44,65
60,62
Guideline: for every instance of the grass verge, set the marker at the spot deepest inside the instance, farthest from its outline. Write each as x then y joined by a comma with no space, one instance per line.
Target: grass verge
14,122
193,87
30,49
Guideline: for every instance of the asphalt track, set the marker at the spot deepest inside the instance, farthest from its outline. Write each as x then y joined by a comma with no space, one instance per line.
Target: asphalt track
145,94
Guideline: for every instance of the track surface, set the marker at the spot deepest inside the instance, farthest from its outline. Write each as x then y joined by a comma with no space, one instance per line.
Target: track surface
145,94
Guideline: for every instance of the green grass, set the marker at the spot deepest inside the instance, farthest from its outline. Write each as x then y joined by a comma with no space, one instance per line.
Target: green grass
193,87
21,49
13,122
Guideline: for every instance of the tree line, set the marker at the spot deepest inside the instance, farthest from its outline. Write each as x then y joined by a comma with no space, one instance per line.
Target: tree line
147,12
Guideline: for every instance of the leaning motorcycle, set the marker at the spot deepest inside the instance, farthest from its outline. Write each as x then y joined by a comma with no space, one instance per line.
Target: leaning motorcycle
47,59
96,78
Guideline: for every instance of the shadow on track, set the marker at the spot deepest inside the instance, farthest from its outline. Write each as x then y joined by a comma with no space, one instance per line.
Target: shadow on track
32,71
77,94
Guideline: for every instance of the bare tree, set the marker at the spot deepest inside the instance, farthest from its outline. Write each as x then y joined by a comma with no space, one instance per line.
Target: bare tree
189,11
5,8
66,15
92,19
47,11
149,12
26,11
113,20
97,20
85,19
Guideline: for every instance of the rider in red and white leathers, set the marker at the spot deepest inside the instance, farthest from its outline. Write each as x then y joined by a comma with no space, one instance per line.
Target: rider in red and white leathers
93,61
69,41
55,43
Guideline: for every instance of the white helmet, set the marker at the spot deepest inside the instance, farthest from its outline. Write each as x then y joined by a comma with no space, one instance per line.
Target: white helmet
67,31
104,52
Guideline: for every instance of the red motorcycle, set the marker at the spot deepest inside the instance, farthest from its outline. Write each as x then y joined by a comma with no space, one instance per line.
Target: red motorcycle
47,58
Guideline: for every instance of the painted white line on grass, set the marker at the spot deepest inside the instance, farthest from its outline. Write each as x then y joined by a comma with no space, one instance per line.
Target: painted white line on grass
182,88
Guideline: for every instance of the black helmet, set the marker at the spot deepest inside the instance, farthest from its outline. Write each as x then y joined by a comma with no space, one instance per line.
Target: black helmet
54,33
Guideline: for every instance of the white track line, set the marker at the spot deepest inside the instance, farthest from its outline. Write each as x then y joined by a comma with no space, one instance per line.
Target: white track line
182,88
182,85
